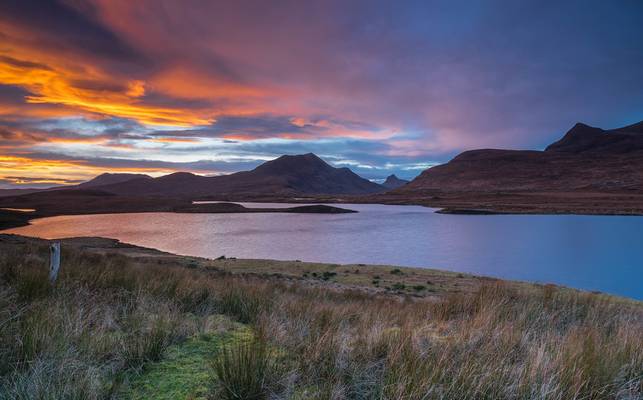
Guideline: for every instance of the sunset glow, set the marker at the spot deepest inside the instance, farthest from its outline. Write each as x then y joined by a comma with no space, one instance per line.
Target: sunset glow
157,87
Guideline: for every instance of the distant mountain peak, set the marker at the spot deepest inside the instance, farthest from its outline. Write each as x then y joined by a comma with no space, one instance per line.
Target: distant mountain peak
579,138
287,164
300,157
582,125
393,182
180,174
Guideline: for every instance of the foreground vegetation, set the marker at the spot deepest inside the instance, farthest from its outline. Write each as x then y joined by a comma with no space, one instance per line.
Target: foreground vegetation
118,327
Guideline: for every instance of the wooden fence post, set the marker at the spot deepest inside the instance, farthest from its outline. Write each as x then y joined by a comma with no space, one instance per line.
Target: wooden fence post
54,261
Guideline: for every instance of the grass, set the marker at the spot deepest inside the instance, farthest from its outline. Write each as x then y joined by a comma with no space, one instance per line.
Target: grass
376,278
245,304
242,370
184,372
120,327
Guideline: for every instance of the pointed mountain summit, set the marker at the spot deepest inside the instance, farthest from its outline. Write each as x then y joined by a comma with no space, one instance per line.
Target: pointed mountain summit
288,164
393,182
580,137
587,139
309,174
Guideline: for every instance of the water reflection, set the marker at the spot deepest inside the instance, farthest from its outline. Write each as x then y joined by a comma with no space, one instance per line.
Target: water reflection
589,252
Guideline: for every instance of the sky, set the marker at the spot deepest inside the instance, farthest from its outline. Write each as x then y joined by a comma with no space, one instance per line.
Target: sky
214,87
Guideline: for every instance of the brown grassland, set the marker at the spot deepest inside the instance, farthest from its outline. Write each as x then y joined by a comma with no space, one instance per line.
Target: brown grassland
115,319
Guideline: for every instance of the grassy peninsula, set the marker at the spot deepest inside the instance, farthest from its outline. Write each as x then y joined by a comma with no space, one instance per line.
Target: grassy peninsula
126,322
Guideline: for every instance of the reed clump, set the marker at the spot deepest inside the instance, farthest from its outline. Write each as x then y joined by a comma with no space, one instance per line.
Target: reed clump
242,370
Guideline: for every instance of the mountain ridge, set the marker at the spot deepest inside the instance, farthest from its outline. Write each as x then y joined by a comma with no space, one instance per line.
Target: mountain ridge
108,178
585,157
286,175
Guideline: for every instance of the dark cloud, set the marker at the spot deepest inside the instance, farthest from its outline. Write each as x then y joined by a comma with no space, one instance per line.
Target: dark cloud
200,166
23,64
12,94
60,25
270,126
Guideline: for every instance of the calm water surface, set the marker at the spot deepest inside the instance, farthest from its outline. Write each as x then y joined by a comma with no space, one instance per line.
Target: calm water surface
587,252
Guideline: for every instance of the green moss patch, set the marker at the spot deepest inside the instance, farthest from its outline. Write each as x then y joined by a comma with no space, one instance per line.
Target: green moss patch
184,373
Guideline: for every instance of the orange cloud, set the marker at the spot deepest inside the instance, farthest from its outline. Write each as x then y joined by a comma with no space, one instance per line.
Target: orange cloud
32,171
188,83
50,85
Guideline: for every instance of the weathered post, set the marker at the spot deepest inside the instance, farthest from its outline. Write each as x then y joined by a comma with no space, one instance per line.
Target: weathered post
54,261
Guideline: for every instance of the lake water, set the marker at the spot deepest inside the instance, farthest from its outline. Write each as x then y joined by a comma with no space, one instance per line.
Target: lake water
587,252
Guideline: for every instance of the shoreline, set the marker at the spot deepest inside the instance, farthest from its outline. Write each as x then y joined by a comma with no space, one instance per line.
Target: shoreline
376,279
10,219
523,203
92,201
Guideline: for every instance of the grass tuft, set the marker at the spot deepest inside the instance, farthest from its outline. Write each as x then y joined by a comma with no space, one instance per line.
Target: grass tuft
244,304
241,371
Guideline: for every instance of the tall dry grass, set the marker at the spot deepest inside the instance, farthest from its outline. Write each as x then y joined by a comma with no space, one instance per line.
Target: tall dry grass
107,316
496,343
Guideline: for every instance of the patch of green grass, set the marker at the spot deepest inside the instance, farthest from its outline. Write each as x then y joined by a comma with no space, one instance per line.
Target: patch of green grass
185,371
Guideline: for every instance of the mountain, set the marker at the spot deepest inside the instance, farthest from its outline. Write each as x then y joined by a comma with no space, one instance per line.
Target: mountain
585,159
18,192
110,179
589,140
100,180
393,182
310,174
589,170
288,175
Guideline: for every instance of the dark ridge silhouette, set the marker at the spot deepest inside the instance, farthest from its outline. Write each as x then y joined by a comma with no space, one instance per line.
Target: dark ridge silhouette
581,137
586,139
287,175
18,192
585,159
100,180
393,182
588,171
109,179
